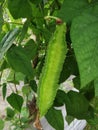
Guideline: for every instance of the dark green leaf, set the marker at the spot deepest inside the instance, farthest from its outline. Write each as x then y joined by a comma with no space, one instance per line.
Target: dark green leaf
84,34
40,66
76,82
20,8
73,8
16,101
10,113
31,49
4,65
24,30
69,68
19,61
4,89
33,85
88,91
60,97
76,105
7,41
55,119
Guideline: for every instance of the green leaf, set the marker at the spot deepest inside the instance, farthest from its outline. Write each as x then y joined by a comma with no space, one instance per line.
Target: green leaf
76,82
33,85
3,65
4,89
1,124
16,101
7,41
15,77
73,8
88,91
70,67
26,90
96,87
69,119
19,61
24,30
20,8
40,66
84,35
55,119
1,19
76,105
10,113
60,98
31,49
94,122
36,1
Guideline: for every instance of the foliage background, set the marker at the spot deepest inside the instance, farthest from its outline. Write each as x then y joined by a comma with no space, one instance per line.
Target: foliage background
24,35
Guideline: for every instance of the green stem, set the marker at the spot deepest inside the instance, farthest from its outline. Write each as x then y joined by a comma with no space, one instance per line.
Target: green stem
51,17
15,85
20,121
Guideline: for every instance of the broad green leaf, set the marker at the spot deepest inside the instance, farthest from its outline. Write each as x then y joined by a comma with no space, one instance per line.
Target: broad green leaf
72,8
84,35
1,124
76,105
59,99
55,119
31,49
7,41
16,101
19,61
70,67
20,8
15,77
1,19
96,87
4,89
24,30
89,91
10,113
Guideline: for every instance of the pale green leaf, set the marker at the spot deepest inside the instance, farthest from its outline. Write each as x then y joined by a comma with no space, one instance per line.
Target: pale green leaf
1,124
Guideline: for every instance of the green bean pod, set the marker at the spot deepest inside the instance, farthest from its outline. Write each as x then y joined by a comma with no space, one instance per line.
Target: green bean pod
48,82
